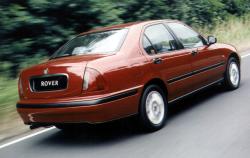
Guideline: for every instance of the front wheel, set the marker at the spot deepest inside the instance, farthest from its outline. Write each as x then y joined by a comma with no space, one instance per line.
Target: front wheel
232,75
153,108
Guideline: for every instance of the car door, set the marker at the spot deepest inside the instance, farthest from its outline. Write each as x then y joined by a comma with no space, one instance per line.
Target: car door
207,64
166,60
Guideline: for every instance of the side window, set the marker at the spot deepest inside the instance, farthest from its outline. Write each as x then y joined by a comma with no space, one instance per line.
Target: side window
147,46
188,37
160,38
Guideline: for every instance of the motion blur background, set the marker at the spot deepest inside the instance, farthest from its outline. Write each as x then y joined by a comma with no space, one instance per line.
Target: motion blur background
31,30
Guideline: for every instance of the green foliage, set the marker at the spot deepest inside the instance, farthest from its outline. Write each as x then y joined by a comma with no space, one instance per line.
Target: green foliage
239,34
237,7
34,29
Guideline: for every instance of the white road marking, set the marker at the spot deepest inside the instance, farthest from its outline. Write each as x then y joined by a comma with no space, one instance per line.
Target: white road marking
26,137
246,55
48,129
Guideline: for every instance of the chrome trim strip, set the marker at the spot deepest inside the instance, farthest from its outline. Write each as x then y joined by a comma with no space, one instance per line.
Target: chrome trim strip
195,91
172,80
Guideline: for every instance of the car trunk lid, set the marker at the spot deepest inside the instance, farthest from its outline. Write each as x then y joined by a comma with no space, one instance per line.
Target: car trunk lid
57,78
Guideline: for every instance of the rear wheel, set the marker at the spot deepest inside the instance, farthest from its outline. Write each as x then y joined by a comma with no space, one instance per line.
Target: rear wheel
232,75
153,108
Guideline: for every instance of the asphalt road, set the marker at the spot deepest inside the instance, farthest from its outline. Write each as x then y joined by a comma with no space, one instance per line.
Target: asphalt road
212,124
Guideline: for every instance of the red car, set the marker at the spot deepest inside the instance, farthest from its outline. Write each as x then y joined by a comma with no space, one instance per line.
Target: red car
129,69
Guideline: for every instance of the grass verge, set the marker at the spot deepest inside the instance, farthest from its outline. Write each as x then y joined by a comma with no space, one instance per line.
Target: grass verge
10,122
235,31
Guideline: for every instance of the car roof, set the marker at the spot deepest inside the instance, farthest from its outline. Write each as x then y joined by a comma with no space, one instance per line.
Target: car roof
126,25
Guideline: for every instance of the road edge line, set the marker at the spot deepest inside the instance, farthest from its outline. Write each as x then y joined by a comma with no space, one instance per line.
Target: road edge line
246,55
26,137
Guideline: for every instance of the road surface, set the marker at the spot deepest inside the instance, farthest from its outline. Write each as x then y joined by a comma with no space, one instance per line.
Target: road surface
212,124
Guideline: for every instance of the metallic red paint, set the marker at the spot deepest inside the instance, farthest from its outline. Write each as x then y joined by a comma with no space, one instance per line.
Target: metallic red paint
129,68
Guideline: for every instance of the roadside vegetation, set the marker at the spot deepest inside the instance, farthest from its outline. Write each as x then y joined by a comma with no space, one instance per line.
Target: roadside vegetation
235,31
10,122
32,30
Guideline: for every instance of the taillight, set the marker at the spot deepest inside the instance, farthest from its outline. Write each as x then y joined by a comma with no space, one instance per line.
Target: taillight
20,88
93,80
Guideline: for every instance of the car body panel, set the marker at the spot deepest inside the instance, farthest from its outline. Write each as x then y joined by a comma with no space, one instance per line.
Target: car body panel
212,64
73,67
41,111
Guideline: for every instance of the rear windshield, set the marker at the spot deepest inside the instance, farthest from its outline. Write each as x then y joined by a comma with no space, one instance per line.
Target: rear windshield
106,42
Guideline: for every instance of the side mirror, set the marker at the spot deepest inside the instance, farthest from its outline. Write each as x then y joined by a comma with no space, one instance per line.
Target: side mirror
211,40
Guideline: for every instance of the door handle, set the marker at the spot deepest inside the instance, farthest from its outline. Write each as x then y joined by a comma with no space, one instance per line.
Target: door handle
194,52
157,60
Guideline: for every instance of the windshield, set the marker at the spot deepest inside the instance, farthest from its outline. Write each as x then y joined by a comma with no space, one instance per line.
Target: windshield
105,42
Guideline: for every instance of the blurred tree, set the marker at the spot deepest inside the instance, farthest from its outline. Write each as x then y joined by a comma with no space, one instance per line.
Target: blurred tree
32,29
144,10
200,12
237,7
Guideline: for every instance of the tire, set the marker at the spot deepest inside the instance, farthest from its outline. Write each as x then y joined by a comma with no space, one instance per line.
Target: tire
232,75
153,109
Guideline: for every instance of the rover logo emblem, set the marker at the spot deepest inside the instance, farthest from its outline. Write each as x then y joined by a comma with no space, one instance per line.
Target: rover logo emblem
49,83
46,71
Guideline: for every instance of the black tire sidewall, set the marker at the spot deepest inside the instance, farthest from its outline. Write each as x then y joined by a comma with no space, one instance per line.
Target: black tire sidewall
144,120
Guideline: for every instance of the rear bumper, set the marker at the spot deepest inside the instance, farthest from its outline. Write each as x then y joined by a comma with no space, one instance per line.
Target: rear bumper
86,111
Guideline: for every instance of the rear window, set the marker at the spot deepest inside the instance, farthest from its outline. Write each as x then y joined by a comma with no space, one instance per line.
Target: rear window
106,42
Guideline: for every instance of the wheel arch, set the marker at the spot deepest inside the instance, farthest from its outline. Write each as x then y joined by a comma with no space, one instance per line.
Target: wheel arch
159,82
236,56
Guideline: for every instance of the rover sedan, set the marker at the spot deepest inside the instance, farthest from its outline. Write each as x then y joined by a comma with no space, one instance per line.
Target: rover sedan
129,69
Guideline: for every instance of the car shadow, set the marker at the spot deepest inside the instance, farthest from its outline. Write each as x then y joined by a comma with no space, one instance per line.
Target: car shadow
94,135
194,100
197,99
124,129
